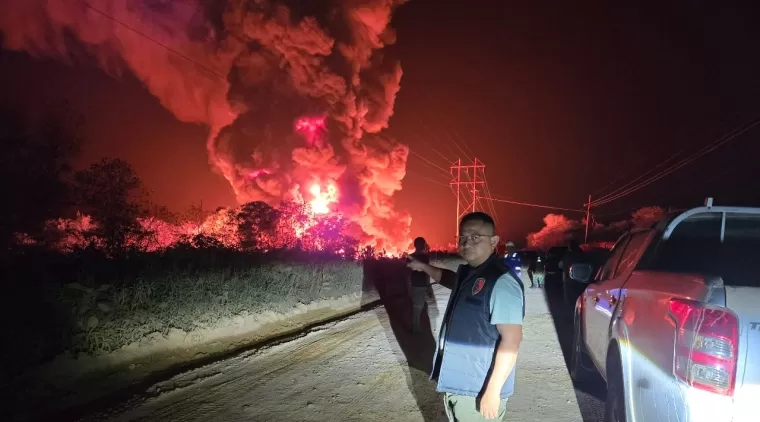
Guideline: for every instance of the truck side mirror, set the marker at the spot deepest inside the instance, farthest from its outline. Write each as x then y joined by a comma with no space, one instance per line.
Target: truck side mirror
581,272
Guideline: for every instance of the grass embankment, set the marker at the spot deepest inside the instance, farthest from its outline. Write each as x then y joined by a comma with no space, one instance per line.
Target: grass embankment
72,319
83,325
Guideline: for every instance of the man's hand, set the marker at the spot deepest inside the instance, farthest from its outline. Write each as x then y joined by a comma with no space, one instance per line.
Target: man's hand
489,404
416,265
437,274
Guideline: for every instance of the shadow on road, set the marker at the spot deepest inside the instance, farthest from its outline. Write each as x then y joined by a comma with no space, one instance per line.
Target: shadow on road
386,278
590,395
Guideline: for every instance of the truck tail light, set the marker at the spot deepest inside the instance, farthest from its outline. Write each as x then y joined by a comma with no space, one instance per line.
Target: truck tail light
706,346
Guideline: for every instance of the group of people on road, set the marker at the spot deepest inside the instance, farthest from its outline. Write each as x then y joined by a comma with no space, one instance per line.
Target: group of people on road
481,330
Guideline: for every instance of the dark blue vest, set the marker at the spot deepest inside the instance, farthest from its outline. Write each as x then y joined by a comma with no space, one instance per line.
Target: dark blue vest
467,341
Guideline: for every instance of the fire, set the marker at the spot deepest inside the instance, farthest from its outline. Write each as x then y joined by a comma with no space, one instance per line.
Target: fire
322,200
332,59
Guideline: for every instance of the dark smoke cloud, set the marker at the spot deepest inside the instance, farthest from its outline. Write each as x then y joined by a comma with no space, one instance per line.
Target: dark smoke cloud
248,73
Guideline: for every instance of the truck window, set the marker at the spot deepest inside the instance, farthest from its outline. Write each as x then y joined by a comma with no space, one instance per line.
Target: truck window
608,270
632,252
695,247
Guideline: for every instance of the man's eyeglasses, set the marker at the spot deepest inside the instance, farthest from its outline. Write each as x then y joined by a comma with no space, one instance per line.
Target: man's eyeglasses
473,238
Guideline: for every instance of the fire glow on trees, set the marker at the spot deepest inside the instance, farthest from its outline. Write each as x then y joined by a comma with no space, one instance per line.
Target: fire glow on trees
247,62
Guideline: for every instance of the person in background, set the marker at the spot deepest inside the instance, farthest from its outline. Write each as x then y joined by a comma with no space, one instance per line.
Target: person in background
573,254
570,288
481,331
512,258
419,283
532,270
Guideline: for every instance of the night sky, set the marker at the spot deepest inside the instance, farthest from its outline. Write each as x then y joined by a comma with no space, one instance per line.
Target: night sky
559,100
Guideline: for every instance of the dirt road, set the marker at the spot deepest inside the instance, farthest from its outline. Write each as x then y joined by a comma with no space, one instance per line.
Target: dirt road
365,368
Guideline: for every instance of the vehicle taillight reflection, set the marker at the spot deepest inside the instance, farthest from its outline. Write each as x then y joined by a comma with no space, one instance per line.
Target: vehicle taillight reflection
706,345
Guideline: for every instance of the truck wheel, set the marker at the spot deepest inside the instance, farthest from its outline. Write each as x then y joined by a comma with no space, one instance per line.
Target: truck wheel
614,406
581,367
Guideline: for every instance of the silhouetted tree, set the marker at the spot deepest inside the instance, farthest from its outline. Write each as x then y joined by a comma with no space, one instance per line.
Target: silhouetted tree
646,216
257,225
195,214
113,195
556,231
34,168
163,213
558,228
293,218
327,234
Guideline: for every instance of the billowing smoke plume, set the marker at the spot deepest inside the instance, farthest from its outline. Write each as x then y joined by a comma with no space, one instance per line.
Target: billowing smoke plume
251,70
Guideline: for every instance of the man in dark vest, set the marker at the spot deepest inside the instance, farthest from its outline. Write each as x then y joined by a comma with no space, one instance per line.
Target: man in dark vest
482,328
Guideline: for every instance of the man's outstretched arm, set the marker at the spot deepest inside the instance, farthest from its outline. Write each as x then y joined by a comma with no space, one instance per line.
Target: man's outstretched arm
442,276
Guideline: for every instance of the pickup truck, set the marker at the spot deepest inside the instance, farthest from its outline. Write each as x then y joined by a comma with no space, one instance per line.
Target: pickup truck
671,320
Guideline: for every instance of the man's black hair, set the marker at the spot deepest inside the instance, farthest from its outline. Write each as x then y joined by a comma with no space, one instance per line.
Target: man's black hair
478,216
419,243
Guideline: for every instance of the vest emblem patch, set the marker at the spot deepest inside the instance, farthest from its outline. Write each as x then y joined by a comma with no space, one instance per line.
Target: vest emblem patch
478,286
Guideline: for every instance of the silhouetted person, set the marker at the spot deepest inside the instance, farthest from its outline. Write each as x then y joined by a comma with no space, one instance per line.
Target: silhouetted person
534,282
571,289
482,328
419,283
573,254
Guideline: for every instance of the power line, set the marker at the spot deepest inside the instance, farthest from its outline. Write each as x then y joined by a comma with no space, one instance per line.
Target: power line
466,146
490,202
626,211
527,204
428,161
434,149
432,132
625,186
705,150
456,144
149,38
437,182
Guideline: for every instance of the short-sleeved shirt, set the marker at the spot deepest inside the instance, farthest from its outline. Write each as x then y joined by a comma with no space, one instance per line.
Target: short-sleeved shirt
420,278
507,301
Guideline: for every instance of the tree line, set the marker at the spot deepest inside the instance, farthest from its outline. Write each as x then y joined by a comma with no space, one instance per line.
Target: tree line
41,184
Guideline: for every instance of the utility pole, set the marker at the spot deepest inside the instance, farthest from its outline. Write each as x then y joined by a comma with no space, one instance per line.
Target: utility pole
471,185
588,217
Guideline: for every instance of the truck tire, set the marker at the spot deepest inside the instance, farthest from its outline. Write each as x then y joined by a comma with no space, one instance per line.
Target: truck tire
581,368
614,406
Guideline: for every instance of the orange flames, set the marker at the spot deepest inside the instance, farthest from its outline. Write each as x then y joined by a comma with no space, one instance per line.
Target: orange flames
321,202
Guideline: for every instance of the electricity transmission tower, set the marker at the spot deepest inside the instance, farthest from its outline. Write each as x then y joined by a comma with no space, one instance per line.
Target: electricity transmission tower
467,178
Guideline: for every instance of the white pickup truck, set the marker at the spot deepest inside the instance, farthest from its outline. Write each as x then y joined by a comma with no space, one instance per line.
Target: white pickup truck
672,319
